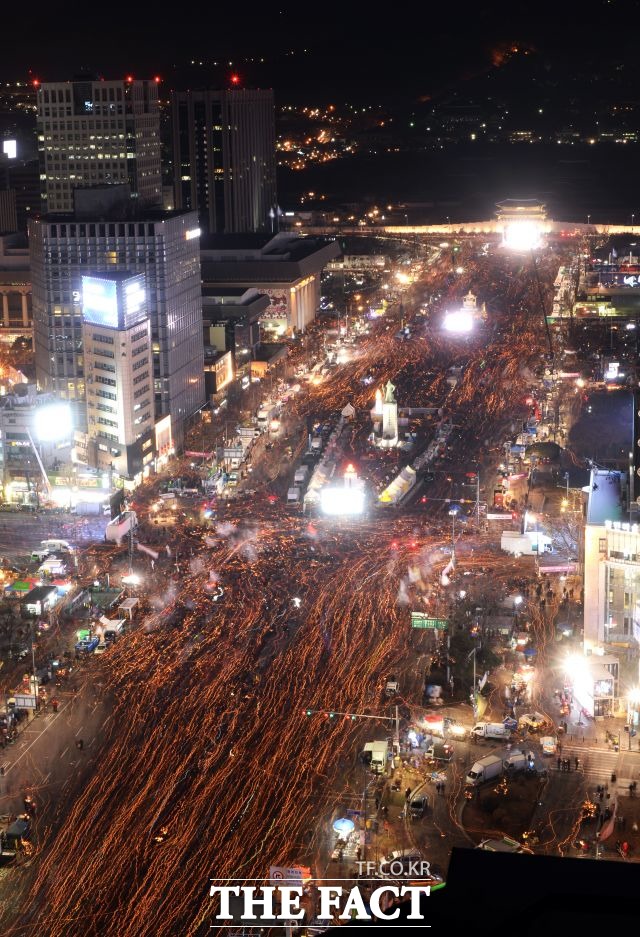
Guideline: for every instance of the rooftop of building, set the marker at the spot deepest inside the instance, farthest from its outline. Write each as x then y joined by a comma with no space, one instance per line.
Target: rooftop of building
211,354
604,498
98,203
134,212
520,204
39,593
268,247
271,351
232,294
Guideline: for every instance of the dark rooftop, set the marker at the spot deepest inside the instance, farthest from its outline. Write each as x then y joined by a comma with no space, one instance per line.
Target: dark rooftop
231,291
39,593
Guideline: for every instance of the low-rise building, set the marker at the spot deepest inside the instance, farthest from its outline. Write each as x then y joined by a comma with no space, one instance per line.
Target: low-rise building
285,267
28,451
218,370
15,288
231,320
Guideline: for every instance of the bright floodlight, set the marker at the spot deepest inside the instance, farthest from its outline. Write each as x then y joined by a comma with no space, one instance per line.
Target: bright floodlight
460,321
53,422
342,501
522,236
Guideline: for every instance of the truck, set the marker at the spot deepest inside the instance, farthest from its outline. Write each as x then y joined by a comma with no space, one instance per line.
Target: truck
86,508
88,646
120,526
375,754
57,546
531,543
506,844
440,751
111,628
293,496
53,567
516,761
267,411
484,770
491,730
301,475
392,686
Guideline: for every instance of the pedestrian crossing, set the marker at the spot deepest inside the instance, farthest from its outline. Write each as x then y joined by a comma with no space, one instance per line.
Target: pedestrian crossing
597,764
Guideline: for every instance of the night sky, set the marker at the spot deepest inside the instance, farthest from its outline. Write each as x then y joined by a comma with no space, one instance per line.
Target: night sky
351,50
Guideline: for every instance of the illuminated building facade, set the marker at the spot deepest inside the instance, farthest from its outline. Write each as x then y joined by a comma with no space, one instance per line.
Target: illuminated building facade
118,373
98,133
224,157
162,246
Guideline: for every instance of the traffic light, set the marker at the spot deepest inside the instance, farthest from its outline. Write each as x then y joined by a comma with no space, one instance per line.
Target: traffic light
309,712
332,715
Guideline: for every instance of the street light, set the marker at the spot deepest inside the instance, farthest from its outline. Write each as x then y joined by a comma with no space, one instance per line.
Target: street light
452,514
517,602
474,697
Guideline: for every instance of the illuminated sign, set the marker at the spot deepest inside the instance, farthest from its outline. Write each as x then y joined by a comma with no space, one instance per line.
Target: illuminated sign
100,301
192,233
10,148
134,298
420,620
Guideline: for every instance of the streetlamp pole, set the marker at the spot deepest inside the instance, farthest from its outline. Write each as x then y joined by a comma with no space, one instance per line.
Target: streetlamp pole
33,665
475,683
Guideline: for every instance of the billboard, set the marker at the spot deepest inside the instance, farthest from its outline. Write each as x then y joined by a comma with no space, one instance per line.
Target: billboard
619,278
100,301
134,298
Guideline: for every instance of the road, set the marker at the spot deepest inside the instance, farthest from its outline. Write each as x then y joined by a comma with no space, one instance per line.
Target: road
208,763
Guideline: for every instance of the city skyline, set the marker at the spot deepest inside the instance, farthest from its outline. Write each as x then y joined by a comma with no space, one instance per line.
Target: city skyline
319,469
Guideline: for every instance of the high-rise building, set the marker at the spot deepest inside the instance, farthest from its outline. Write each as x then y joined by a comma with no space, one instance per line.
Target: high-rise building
164,246
118,372
98,133
224,158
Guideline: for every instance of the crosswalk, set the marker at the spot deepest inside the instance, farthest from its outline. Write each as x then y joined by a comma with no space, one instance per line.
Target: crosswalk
597,764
